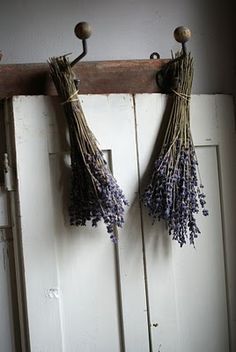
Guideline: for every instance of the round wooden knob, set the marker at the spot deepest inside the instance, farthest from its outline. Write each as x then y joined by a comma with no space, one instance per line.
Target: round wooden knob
182,34
83,30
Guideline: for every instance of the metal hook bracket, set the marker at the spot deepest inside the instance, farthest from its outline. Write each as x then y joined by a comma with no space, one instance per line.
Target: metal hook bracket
82,31
165,78
84,52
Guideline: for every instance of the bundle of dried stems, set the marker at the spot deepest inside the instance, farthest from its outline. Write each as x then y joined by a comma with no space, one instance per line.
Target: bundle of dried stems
94,194
175,189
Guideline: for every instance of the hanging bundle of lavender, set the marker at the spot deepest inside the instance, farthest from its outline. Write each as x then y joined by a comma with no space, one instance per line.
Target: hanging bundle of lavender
94,194
175,192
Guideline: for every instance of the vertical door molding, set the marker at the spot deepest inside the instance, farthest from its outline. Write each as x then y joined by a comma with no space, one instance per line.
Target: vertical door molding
35,211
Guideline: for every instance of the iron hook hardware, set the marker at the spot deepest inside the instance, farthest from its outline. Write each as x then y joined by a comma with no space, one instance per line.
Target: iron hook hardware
82,31
155,56
182,35
164,77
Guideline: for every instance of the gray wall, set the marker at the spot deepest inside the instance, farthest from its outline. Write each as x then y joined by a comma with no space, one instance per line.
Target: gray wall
31,31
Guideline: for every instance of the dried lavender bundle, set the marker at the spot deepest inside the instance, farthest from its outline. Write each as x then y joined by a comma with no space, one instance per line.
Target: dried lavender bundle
175,190
95,194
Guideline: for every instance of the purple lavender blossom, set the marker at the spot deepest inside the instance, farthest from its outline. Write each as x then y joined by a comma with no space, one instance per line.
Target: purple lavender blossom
95,195
173,193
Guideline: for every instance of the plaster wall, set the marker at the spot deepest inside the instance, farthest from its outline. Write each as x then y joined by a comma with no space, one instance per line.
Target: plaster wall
31,31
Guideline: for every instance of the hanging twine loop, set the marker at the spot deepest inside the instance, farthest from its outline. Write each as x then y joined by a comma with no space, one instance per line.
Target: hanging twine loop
72,98
182,95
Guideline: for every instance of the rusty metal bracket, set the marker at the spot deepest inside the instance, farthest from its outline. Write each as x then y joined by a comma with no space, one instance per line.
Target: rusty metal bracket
82,31
165,78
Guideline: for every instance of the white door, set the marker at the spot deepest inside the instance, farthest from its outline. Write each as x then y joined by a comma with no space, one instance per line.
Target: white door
146,294
187,286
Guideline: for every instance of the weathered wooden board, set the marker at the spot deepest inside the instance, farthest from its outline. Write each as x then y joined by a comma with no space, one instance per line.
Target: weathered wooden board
126,76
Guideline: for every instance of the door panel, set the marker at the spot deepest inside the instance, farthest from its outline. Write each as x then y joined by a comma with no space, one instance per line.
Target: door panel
200,272
84,288
187,288
92,295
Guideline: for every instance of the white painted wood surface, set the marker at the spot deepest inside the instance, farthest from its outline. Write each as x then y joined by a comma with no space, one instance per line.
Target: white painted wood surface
187,288
84,313
73,276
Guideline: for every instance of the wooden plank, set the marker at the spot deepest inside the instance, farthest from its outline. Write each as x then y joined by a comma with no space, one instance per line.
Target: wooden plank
186,286
101,77
42,290
158,250
199,273
86,312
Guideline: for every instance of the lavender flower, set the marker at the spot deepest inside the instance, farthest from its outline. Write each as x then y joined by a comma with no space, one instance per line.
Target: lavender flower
174,193
95,194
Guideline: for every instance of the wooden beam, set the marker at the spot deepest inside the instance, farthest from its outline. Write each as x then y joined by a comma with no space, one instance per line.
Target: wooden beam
102,77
